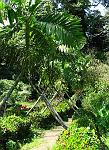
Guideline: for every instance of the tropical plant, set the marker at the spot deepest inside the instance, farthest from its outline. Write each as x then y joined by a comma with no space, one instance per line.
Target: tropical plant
30,42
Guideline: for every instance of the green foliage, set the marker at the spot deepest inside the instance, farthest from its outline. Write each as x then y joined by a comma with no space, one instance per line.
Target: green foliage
75,73
41,33
34,143
62,107
64,27
96,104
20,93
95,109
46,119
11,145
78,138
11,123
14,129
17,109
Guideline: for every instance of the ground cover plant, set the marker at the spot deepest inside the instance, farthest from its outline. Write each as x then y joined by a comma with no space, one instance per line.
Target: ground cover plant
78,138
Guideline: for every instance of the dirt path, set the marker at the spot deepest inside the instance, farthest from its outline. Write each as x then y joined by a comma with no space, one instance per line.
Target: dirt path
50,138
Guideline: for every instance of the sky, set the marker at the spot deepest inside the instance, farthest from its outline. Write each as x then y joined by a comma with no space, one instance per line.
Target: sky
100,7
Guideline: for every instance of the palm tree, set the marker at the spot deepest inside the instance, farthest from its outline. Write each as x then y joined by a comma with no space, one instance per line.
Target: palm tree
31,35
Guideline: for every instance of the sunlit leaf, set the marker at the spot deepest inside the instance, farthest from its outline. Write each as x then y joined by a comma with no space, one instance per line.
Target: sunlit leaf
2,5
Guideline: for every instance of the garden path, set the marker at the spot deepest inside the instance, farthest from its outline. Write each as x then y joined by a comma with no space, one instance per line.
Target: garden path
50,137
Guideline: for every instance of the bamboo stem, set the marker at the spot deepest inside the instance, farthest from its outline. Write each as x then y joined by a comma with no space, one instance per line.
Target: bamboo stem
33,105
6,98
50,107
50,102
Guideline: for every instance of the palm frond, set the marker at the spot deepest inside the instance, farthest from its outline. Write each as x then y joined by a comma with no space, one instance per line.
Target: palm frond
65,28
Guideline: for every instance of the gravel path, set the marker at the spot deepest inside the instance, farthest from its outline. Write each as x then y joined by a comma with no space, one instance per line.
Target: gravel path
50,137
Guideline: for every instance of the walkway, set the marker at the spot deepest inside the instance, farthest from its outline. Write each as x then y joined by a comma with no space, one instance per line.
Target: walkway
50,137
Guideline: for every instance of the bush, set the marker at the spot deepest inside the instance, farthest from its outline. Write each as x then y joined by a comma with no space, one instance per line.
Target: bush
46,119
95,110
96,106
76,138
11,145
20,93
14,129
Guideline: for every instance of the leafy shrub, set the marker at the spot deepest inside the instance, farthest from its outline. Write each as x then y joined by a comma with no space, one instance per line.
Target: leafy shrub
12,145
46,119
14,128
20,93
42,120
95,110
62,107
17,109
96,106
76,138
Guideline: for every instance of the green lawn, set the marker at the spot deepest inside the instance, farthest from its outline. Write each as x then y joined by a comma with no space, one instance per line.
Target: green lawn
34,143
